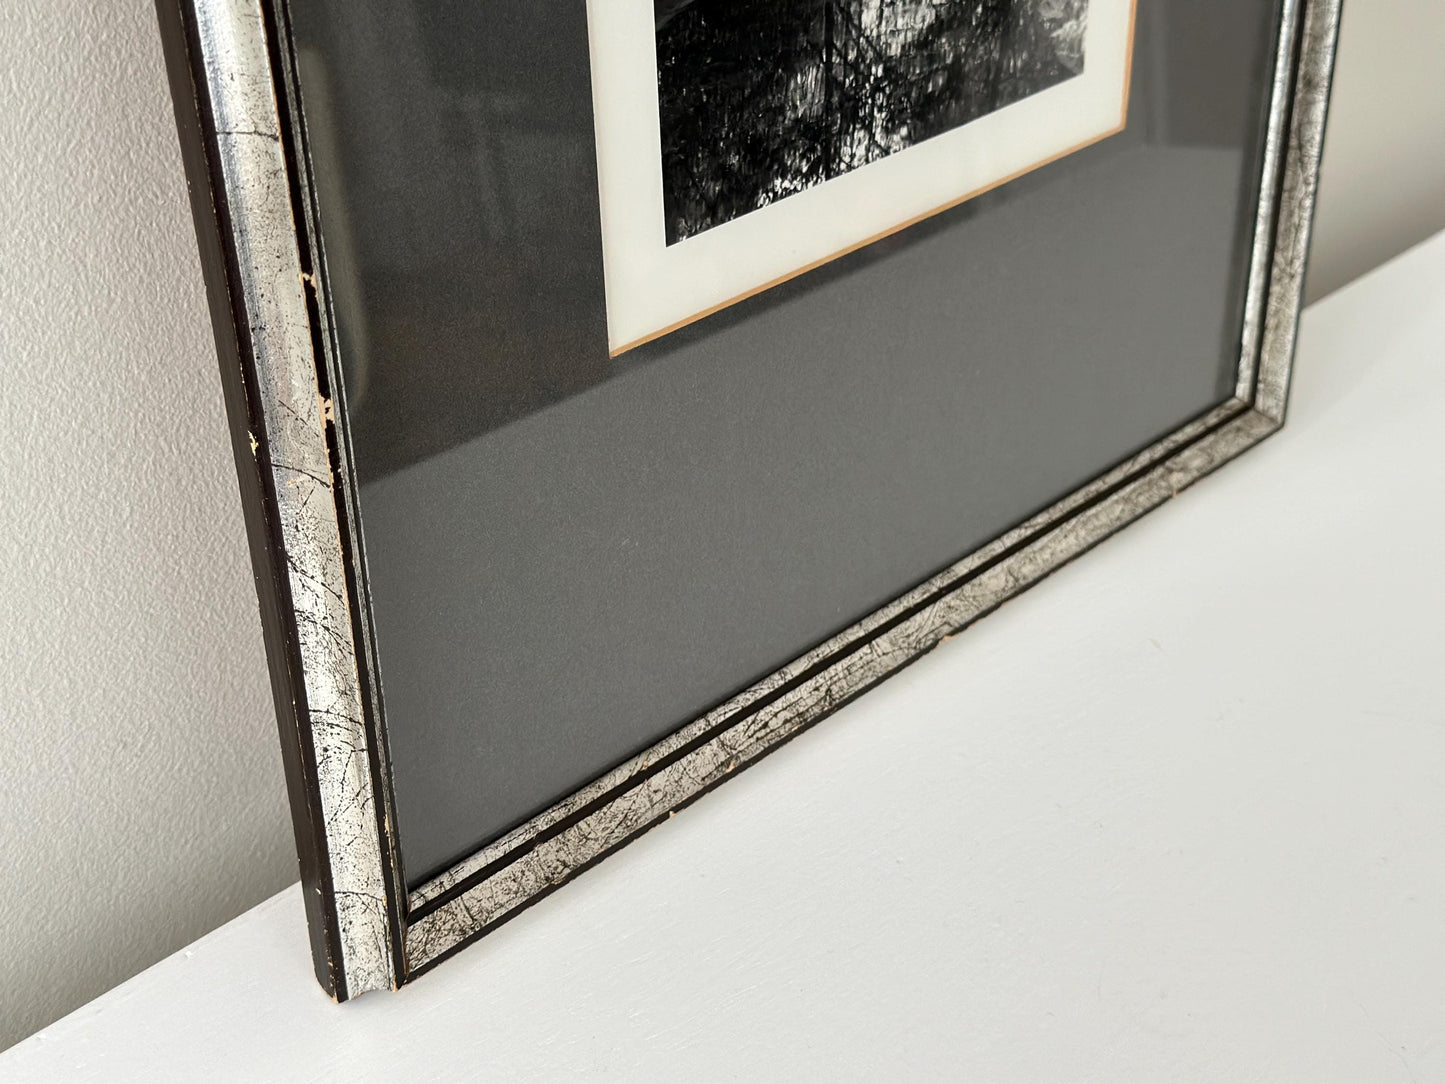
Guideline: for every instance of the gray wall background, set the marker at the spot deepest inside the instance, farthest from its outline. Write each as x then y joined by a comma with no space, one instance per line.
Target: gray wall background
141,798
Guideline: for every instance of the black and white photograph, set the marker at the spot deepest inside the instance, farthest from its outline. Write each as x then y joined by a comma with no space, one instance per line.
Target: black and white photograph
760,99
741,143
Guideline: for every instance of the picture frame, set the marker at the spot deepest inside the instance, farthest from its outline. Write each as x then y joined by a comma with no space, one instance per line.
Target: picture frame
233,74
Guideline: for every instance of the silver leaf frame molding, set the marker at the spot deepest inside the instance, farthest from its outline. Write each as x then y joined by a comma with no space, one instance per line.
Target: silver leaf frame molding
265,274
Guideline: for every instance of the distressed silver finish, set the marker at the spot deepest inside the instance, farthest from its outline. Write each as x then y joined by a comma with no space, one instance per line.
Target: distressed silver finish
1297,205
494,883
1256,296
242,96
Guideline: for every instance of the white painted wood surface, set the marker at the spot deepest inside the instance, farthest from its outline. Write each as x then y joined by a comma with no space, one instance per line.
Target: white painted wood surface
1175,814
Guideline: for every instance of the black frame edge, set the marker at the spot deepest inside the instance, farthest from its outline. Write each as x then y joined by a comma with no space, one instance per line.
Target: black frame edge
196,133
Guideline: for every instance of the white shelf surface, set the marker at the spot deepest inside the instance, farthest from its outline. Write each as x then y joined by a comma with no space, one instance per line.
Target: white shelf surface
1177,813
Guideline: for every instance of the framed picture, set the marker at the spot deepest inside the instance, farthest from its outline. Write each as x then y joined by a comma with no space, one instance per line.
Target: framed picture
619,387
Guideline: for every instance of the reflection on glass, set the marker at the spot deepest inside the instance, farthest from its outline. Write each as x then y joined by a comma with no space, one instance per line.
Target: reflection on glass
456,180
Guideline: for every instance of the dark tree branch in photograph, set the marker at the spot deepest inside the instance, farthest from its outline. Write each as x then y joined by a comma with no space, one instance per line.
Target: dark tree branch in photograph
760,99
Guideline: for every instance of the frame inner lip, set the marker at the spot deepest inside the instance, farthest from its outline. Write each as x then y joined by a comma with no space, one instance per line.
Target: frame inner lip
420,904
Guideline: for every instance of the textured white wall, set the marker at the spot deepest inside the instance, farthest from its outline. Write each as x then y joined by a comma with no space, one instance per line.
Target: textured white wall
141,796
141,800
1382,186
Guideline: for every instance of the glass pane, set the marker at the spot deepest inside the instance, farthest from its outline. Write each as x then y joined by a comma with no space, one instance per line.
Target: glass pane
571,554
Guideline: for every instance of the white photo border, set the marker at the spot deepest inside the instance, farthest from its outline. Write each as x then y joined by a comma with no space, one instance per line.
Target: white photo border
654,288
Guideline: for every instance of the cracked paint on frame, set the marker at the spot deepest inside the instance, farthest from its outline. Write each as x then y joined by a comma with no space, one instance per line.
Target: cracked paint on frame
233,46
